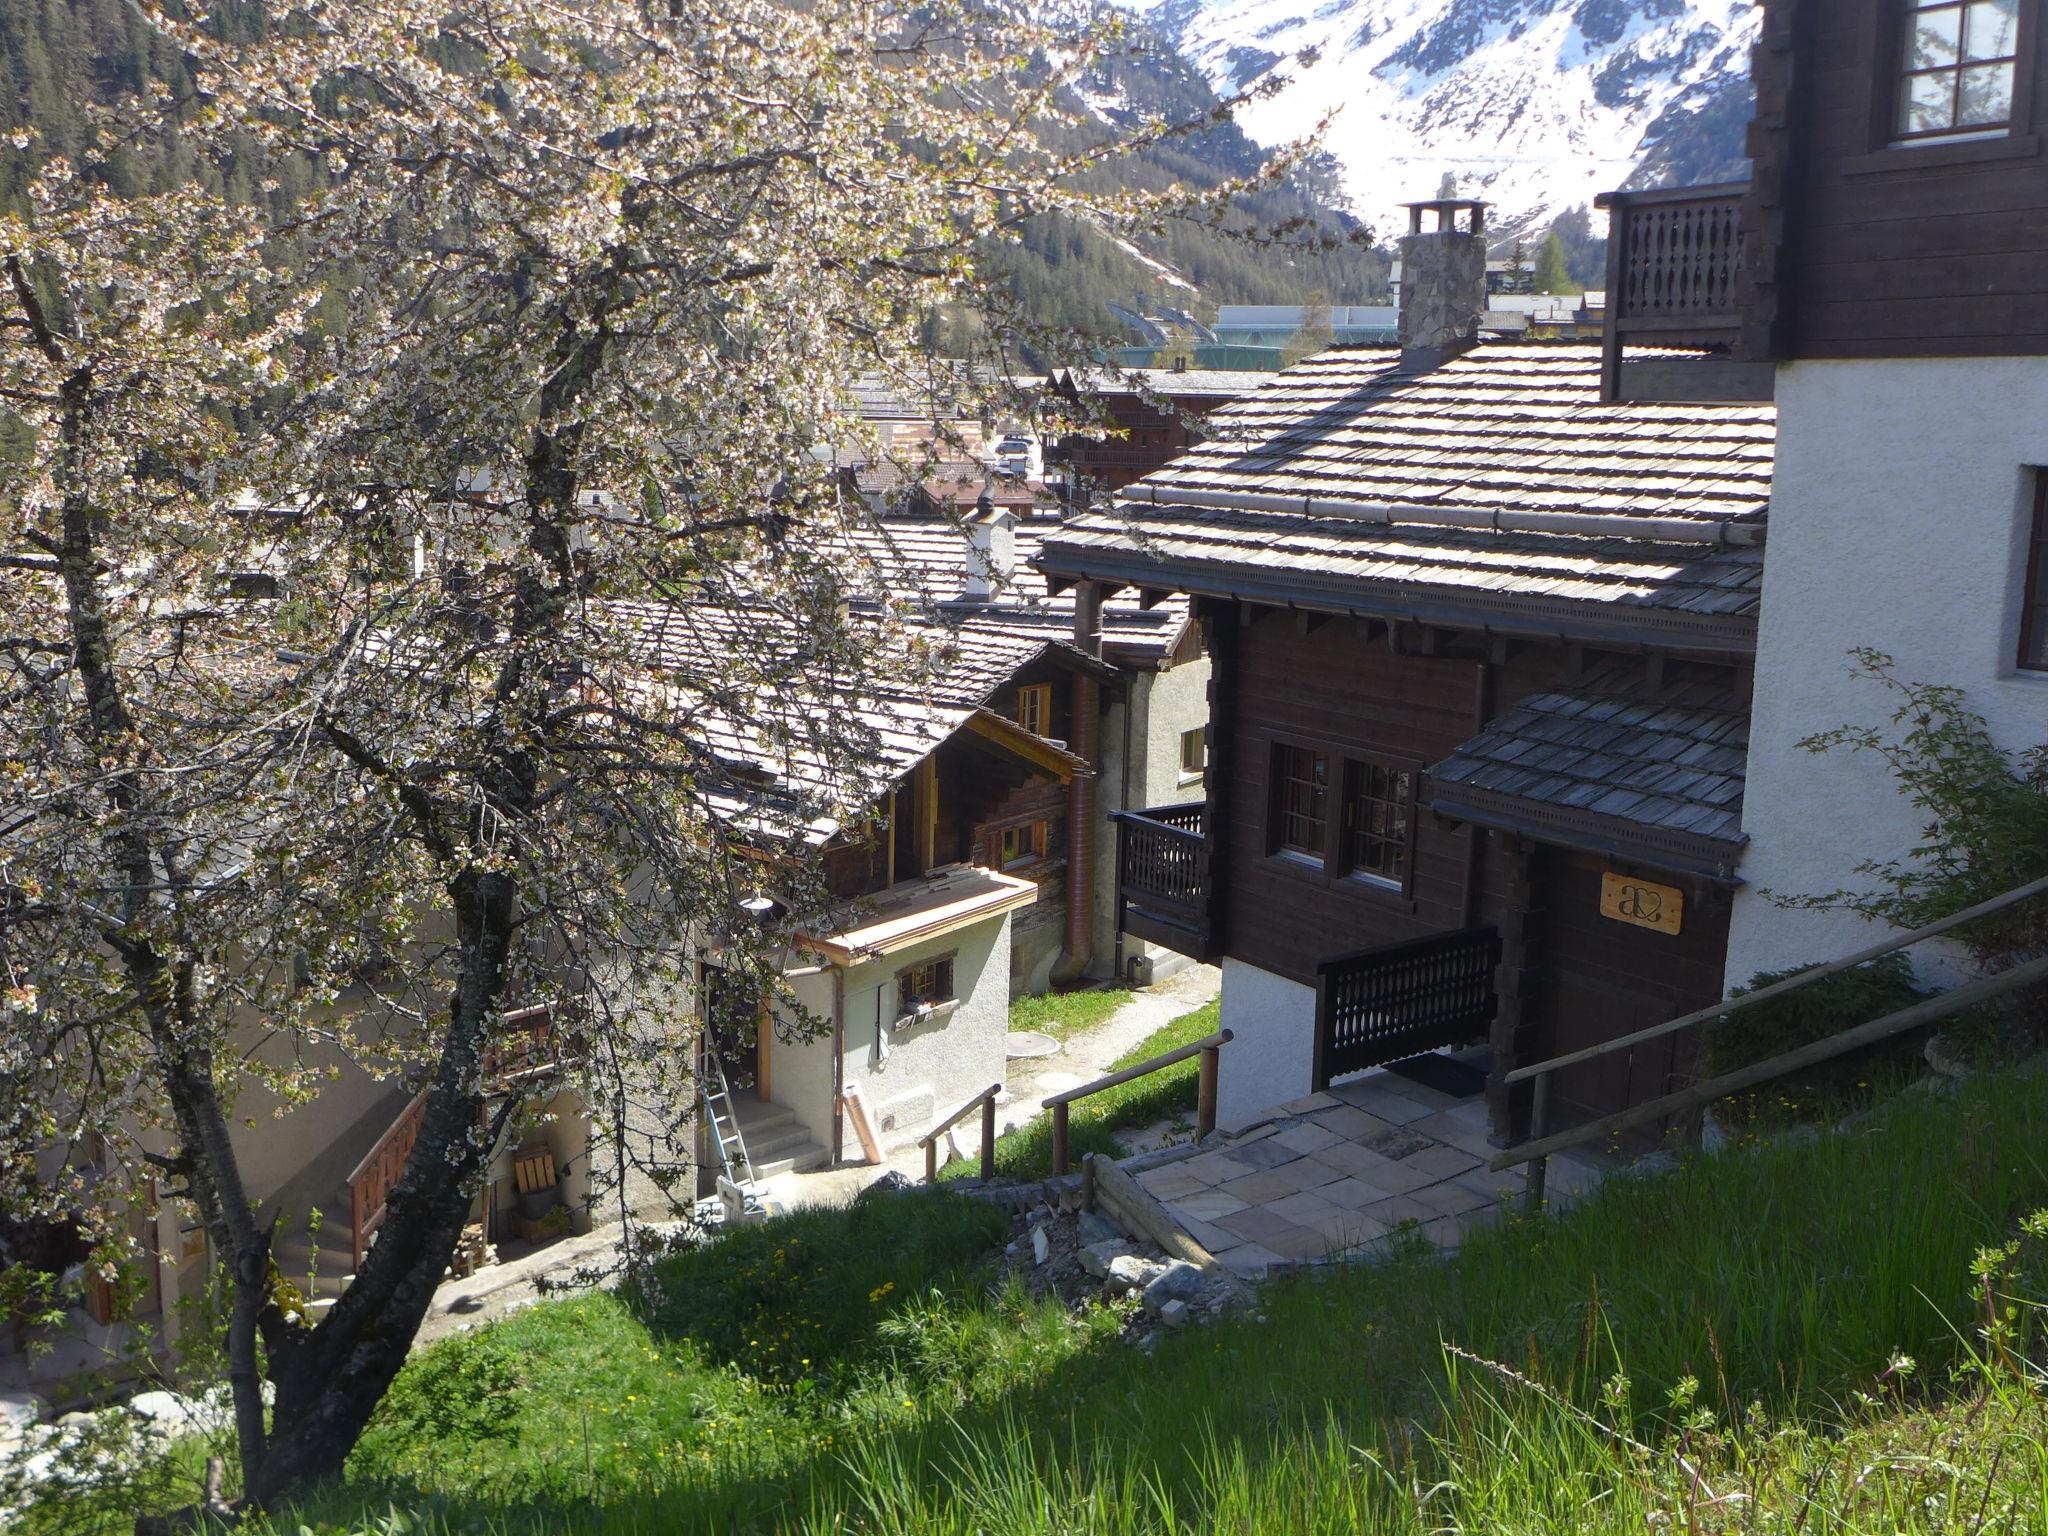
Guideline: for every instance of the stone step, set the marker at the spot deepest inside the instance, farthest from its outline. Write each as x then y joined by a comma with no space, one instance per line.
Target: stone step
778,1142
801,1158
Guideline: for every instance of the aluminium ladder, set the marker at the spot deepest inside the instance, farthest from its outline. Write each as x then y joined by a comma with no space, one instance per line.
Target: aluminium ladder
733,1161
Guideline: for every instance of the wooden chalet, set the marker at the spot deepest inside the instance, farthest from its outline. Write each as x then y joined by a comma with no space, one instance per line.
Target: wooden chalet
1153,414
1482,649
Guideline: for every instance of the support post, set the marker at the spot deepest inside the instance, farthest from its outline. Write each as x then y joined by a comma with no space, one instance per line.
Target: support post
1059,1139
988,1139
931,1161
1205,1100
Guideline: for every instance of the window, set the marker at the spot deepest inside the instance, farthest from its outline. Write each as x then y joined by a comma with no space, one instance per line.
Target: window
1301,778
2034,601
1379,818
1034,708
1022,844
1194,753
1958,62
925,985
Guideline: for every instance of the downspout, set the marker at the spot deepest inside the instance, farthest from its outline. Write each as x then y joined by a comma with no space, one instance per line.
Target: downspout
839,1062
1124,804
1072,964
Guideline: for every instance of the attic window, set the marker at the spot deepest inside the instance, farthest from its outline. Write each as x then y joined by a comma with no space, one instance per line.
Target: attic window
2033,655
1034,707
1958,63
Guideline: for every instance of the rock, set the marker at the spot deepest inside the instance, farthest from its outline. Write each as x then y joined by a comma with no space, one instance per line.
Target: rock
19,1413
1096,1257
1175,1314
168,1413
1041,1246
1178,1281
890,1183
1094,1229
1127,1273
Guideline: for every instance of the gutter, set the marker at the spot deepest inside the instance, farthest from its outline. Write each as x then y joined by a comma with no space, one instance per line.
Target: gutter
1661,530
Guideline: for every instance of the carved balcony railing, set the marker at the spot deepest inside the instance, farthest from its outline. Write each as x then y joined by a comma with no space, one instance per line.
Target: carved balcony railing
1675,278
1399,1000
1162,877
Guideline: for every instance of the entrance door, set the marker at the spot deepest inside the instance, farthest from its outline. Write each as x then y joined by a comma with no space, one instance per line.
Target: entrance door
1586,1010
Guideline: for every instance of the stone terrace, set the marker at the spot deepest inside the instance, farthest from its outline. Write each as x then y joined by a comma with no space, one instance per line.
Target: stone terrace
1339,1170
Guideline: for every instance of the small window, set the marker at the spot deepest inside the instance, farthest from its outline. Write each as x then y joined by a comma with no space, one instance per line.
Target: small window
1034,708
1194,753
1379,801
1022,844
1301,778
1958,62
926,985
2034,603
253,585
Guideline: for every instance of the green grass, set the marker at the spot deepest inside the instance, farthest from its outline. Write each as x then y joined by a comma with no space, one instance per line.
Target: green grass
1060,1014
1710,1349
1169,1093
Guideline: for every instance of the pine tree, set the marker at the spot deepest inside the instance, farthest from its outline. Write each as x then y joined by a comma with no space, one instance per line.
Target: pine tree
1552,274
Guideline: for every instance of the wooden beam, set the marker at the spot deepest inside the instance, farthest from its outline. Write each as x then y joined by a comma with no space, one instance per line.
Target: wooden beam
927,810
1013,738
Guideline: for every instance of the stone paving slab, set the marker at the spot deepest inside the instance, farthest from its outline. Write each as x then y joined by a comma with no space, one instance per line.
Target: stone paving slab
1334,1172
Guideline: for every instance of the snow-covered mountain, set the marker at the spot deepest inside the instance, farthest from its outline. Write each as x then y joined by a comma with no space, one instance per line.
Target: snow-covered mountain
1536,105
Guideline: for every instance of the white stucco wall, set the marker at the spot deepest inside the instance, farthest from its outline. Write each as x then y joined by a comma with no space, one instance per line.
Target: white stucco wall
1899,515
914,1074
1272,1057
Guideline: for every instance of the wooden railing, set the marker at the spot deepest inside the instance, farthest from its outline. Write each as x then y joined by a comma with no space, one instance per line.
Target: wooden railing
1162,877
1675,278
1399,1000
1541,1142
1676,260
534,1042
1209,1047
380,1169
930,1140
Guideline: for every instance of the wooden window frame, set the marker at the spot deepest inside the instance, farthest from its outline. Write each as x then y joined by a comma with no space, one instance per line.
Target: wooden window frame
1277,811
1356,765
1199,768
1035,697
913,1003
1040,830
2032,652
1885,75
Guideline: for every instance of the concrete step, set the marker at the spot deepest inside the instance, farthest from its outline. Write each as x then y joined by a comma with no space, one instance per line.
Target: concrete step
329,1266
754,1116
778,1142
795,1160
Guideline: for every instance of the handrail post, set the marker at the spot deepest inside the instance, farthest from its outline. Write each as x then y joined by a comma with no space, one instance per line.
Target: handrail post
988,1139
931,1160
1059,1139
1537,1174
1205,1098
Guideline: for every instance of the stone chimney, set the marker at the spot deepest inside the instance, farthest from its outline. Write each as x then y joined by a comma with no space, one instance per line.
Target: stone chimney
1443,282
991,550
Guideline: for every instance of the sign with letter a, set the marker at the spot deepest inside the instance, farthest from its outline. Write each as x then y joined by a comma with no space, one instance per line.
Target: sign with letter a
1629,900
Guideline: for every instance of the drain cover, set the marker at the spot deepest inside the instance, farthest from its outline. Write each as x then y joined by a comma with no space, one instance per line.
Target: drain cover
1024,1044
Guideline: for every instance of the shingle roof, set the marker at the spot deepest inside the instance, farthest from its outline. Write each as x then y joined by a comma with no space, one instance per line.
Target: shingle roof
787,759
925,559
1666,761
1200,383
1498,484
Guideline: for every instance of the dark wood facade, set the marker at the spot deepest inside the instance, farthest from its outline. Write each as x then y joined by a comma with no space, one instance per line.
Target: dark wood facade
1853,238
1355,690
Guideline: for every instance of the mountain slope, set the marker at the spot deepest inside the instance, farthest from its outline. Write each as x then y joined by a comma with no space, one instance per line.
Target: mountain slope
1536,105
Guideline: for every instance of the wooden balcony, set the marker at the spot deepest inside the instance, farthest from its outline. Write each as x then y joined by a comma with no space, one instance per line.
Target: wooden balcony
1399,1000
1679,275
1162,877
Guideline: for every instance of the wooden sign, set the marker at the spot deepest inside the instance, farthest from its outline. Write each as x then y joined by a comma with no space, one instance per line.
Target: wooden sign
1640,903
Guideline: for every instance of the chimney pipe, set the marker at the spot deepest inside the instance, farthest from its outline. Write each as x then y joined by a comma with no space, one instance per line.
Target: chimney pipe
1443,282
991,550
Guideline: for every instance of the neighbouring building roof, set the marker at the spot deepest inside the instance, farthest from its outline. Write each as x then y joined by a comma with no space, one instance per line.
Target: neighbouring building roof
913,910
785,747
1613,764
925,559
1497,489
1173,383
